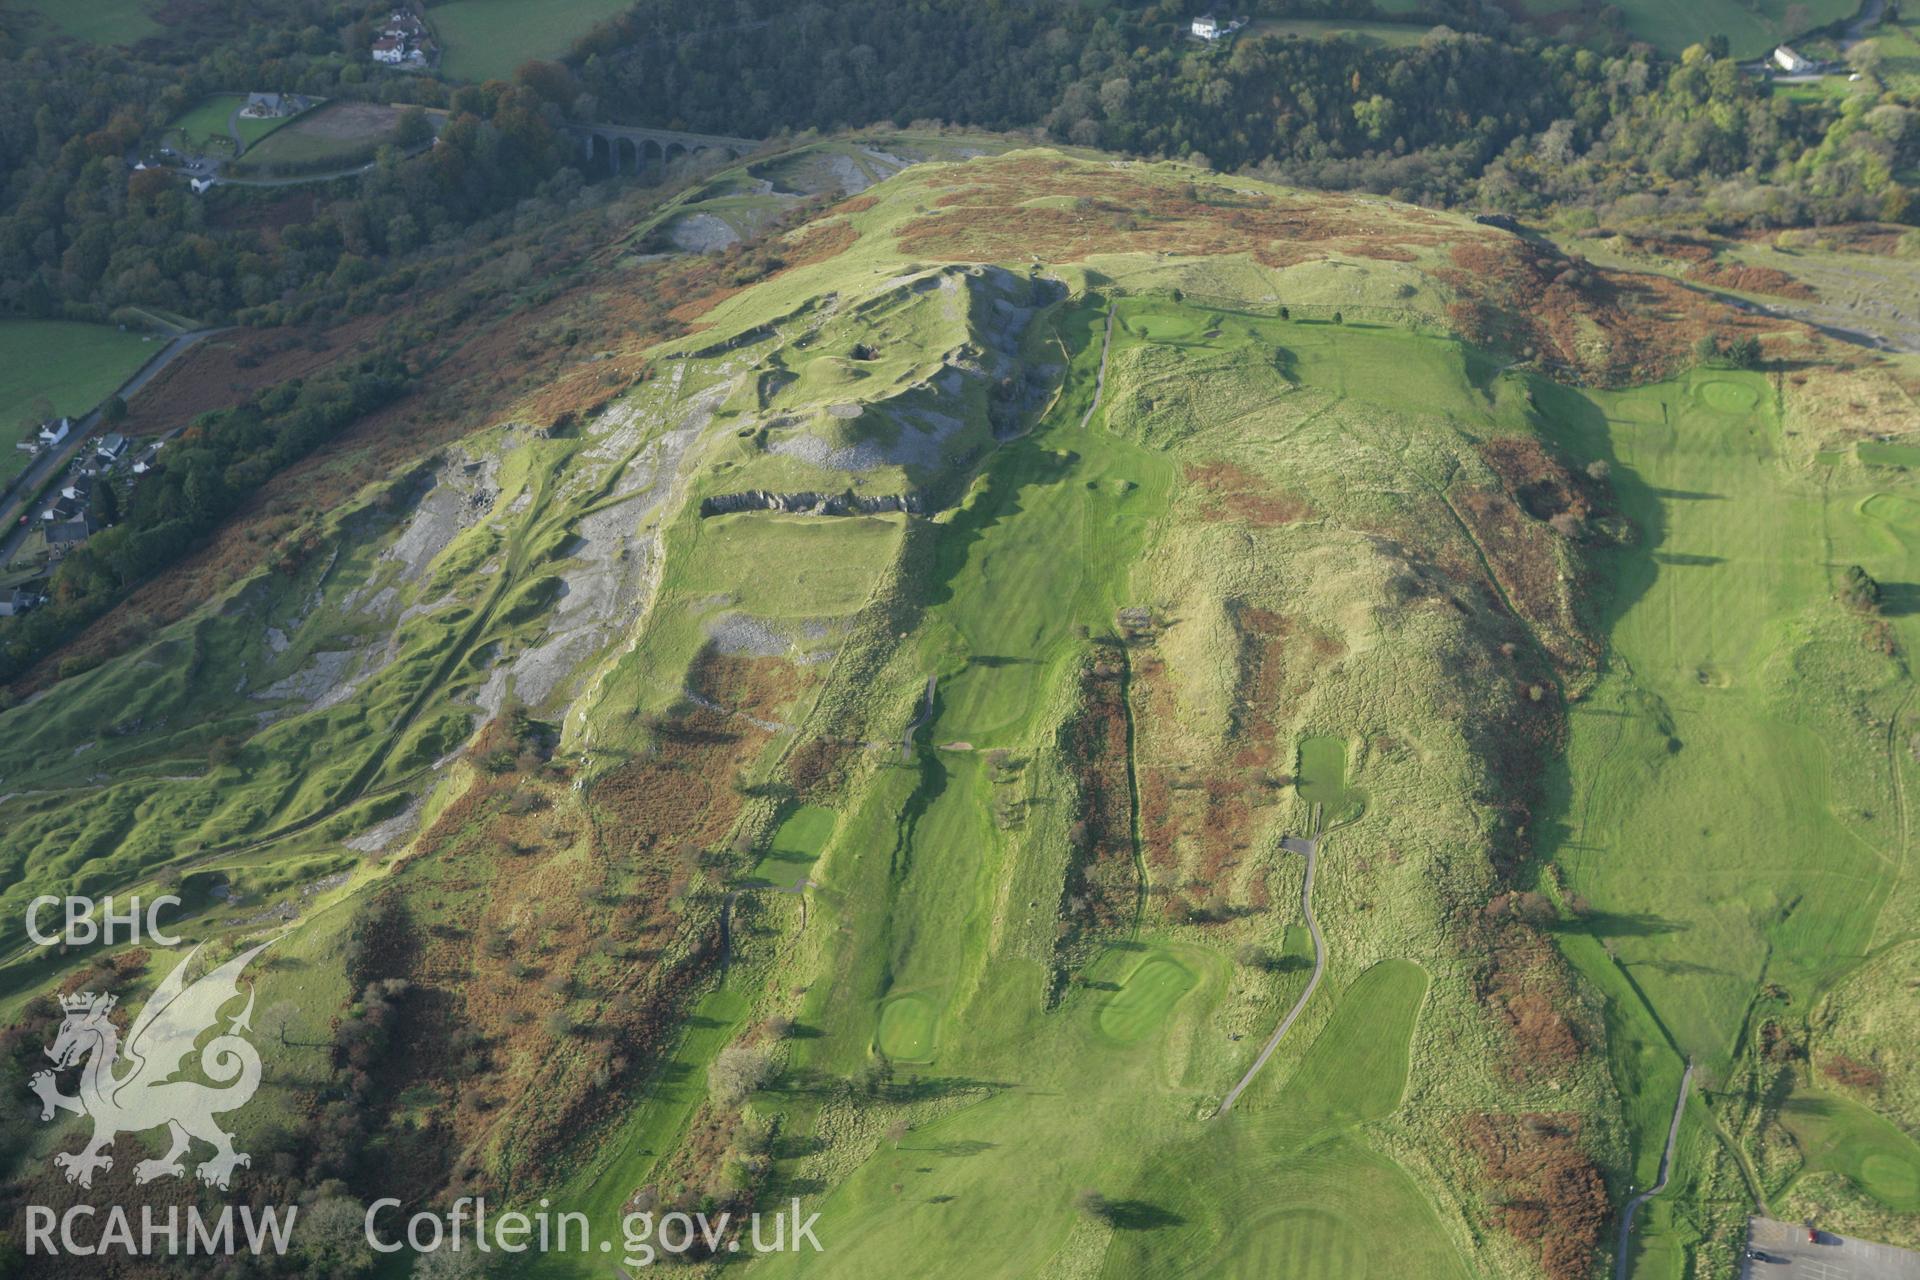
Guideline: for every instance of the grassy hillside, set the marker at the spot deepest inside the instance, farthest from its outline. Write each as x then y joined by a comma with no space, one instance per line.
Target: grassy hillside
105,22
846,753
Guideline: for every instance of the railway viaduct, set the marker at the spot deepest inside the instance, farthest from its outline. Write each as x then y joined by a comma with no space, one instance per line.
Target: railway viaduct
631,149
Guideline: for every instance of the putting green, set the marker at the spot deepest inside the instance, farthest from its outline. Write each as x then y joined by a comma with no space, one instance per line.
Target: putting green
1839,1135
1729,397
1254,1211
1301,1244
1890,1179
1323,780
1146,998
1165,326
907,1028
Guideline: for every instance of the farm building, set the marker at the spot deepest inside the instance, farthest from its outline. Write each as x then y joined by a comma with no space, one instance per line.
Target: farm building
1790,62
111,446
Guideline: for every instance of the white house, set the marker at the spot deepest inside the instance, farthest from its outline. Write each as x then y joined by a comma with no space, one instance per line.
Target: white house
147,460
56,431
1790,62
1207,27
390,50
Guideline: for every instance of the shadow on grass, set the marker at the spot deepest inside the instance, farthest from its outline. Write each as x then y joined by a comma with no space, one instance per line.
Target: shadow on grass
1619,924
1139,1215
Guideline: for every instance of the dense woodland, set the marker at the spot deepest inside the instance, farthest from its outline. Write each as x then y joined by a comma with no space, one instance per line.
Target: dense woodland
83,234
1473,115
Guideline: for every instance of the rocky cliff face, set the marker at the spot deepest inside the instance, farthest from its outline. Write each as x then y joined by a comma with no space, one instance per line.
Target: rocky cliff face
812,504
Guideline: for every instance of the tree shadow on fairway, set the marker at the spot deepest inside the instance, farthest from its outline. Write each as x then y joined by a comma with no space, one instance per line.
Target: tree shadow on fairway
1578,426
1139,1215
1678,968
959,1147
1619,924
1686,495
1898,599
812,1082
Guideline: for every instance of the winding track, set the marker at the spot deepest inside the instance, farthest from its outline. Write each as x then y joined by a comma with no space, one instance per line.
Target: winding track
1666,1169
1312,850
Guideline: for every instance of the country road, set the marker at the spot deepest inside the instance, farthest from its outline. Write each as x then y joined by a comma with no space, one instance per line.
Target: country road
1312,850
1666,1169
50,464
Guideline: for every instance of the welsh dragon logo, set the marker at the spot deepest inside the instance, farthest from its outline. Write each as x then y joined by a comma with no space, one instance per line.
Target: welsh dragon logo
147,1096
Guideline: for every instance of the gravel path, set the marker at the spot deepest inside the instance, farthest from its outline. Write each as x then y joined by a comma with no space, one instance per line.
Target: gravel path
1666,1168
1312,849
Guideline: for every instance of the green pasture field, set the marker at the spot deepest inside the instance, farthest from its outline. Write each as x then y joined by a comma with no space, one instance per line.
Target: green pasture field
1391,35
1751,29
334,134
108,22
203,127
72,366
488,39
1899,43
